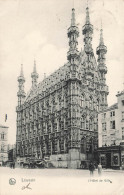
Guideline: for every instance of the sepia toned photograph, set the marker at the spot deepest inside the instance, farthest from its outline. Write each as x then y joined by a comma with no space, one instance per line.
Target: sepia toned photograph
62,97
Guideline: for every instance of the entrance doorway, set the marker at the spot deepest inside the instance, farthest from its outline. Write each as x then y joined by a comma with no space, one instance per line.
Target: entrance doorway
108,160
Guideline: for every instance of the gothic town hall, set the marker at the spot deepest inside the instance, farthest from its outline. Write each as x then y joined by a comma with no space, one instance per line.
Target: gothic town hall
57,118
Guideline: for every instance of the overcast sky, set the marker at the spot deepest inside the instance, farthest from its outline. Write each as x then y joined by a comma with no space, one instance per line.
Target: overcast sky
37,29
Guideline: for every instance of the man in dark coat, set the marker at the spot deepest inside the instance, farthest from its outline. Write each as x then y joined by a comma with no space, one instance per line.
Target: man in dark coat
91,168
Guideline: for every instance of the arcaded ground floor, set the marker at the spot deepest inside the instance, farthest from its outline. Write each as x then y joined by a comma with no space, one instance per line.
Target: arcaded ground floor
60,182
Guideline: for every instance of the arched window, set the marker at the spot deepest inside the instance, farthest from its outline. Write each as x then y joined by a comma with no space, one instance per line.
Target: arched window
82,101
97,104
103,99
91,123
91,103
82,123
87,124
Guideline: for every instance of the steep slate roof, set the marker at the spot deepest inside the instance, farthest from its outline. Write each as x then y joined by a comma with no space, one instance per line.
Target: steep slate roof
51,80
60,74
112,107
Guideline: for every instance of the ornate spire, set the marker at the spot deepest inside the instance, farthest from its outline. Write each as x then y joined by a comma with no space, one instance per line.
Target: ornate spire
34,75
101,37
73,53
73,34
21,73
21,77
73,17
101,51
87,31
34,70
87,16
101,48
21,93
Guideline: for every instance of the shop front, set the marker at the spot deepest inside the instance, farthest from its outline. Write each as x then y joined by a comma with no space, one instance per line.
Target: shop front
122,154
110,157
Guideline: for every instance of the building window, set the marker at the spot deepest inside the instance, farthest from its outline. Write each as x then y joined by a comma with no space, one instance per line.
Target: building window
82,123
122,133
97,104
2,136
115,160
2,148
103,115
112,124
104,126
112,142
104,140
122,102
82,101
87,125
122,115
112,113
91,103
2,157
91,124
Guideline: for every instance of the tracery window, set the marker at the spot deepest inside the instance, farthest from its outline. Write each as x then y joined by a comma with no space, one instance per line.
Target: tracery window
91,124
87,124
82,123
82,101
91,103
97,104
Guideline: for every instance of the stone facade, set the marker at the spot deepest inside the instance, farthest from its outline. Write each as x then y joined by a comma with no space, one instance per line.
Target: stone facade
111,133
3,144
58,117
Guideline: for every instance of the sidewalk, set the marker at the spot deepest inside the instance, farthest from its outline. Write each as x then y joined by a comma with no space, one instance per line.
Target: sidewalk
113,170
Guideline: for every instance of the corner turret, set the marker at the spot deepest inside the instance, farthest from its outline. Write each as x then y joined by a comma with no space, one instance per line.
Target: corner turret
21,93
34,76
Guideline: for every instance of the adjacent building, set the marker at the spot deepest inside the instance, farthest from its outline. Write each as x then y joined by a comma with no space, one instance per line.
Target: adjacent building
3,144
111,134
12,152
58,117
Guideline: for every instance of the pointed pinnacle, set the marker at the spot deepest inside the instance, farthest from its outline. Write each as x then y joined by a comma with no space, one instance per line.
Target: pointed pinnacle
87,16
73,17
34,70
101,37
21,73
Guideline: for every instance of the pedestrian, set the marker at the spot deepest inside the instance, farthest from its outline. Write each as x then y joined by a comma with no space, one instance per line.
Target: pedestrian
99,169
91,168
13,164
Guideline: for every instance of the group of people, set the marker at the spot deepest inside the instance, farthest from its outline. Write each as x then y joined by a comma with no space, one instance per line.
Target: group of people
92,168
